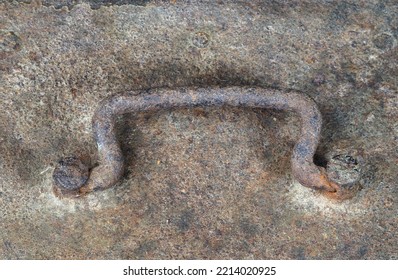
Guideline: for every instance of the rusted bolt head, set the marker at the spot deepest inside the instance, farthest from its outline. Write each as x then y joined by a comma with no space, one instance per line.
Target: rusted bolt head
69,175
345,171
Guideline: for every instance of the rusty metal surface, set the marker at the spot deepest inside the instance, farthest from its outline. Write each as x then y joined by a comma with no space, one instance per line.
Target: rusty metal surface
200,182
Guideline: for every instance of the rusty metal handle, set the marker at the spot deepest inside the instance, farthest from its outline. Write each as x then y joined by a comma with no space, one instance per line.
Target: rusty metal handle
71,176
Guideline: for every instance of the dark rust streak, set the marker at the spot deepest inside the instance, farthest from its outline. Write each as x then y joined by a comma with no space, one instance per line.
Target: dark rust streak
111,165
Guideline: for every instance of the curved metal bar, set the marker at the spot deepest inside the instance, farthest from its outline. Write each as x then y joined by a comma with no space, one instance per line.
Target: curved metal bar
111,166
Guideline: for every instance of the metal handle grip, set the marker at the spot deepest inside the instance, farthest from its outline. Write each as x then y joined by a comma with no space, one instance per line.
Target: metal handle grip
71,177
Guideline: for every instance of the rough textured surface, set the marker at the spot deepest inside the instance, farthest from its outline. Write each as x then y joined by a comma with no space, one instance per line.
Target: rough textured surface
200,183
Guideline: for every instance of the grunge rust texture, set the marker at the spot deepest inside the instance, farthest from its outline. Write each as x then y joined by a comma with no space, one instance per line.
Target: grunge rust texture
200,183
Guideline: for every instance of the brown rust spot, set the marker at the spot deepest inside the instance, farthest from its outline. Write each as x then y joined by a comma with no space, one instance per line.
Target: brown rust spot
9,43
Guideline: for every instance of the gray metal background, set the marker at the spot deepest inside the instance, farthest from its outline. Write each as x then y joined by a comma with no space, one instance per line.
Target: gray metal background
200,183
